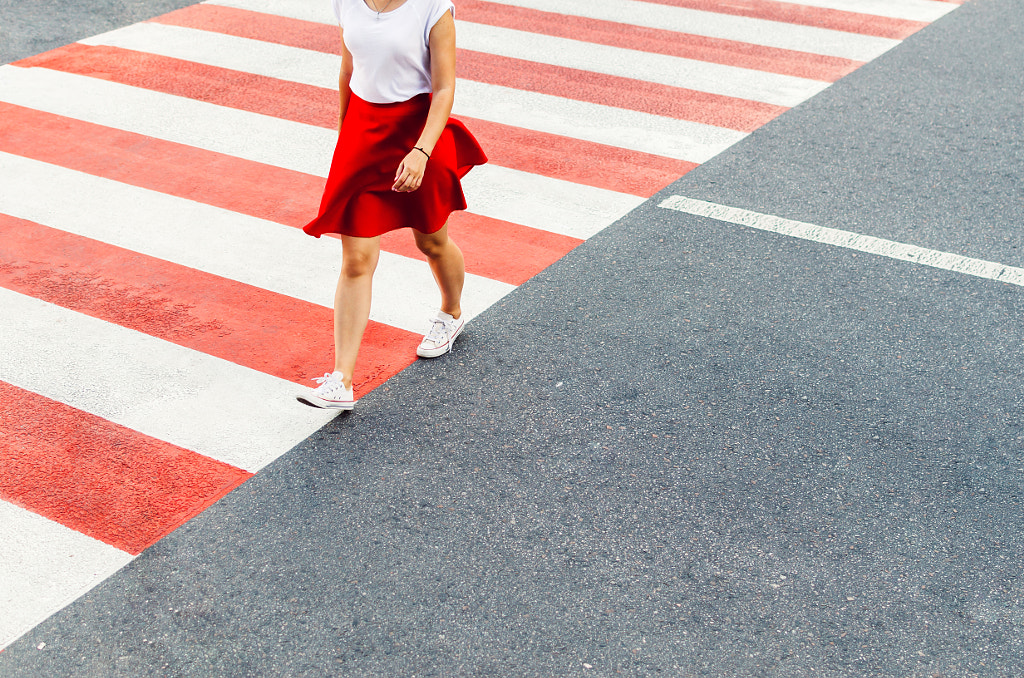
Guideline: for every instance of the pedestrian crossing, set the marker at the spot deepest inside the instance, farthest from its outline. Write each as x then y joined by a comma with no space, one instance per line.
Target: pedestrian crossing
159,303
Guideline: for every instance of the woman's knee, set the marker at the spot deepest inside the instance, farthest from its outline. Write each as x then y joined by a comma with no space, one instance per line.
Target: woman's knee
357,266
432,244
357,262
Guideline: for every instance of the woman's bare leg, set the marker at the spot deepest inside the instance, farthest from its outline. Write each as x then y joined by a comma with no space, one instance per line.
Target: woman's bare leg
352,300
447,265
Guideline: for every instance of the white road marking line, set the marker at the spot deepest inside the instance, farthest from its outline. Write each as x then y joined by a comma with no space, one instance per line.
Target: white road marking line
854,241
302,148
912,10
45,566
731,81
261,253
680,139
193,400
650,15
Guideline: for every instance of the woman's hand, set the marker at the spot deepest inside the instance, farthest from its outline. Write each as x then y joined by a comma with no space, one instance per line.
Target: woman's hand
410,173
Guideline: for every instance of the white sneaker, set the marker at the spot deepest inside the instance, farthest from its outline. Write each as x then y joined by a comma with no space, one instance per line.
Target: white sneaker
439,339
330,394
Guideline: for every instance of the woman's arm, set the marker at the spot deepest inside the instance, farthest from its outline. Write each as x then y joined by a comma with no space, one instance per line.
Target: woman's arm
344,93
442,76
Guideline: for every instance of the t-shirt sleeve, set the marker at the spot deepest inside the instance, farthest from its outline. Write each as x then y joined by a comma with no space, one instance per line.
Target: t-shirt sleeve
437,10
336,4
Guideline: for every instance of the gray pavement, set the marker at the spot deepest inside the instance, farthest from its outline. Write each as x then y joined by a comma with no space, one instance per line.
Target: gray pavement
688,448
29,27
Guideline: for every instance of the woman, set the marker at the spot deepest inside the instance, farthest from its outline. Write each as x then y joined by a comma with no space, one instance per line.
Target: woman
398,164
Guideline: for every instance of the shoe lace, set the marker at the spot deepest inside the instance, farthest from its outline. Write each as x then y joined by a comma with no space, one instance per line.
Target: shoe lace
438,331
328,384
328,376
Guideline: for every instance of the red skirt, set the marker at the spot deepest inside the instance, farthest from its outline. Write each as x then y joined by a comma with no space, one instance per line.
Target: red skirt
374,139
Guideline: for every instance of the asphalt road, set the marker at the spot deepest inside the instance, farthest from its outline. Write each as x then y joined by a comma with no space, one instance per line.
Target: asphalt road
688,448
29,28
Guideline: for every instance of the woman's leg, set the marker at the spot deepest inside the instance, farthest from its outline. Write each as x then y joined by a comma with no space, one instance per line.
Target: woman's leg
447,265
352,300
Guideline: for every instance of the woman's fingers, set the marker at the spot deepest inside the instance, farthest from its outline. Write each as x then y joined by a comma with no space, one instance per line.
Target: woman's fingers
406,182
409,176
409,179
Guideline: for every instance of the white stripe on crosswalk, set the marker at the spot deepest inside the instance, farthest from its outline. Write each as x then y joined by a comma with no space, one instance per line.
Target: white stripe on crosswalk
549,204
679,139
912,10
654,134
293,64
44,567
190,399
742,83
261,253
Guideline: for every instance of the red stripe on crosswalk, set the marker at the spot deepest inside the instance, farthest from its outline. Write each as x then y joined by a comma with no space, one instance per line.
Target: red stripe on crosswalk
234,89
321,38
806,15
579,161
106,481
659,41
244,23
246,187
272,333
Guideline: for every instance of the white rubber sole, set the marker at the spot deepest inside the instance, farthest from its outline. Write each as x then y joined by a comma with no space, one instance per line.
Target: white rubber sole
316,401
442,349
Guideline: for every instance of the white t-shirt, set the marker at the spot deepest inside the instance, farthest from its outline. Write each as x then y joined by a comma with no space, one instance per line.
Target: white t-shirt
390,52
